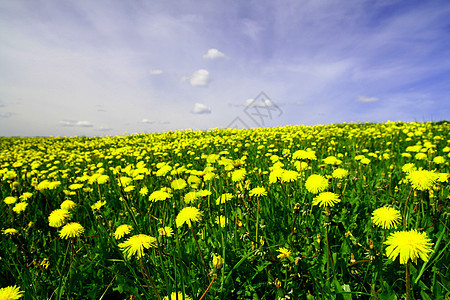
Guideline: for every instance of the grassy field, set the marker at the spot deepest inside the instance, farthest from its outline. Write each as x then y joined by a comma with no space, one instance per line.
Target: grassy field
345,211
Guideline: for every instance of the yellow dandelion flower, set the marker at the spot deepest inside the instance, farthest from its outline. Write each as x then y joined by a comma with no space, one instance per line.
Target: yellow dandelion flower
25,196
284,253
289,176
224,198
304,154
316,183
159,196
67,205
409,245
365,161
420,156
275,174
10,200
70,230
190,197
408,167
187,215
10,231
143,191
204,193
422,179
165,231
177,296
238,175
122,230
178,184
258,191
20,207
326,199
339,173
128,188
386,217
58,217
217,262
11,293
102,179
76,186
439,160
97,205
136,244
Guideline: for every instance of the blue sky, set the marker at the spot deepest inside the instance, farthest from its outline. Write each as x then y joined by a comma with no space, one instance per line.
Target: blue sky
114,67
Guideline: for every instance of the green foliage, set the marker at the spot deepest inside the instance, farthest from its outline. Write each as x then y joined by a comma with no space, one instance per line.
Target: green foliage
334,253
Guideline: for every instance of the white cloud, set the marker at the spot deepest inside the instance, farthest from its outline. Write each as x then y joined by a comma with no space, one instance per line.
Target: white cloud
200,78
147,121
367,99
201,109
264,103
84,124
213,54
68,123
155,72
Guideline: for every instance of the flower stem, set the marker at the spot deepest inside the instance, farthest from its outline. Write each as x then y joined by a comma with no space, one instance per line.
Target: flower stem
408,282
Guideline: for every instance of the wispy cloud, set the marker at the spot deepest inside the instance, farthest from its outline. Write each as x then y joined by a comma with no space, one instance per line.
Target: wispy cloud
155,72
70,123
367,99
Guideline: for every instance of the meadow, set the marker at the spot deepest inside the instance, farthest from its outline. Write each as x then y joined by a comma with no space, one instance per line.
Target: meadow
344,211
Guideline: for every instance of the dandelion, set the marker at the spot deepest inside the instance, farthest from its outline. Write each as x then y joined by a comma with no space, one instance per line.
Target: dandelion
275,174
177,296
332,160
136,244
365,161
76,186
304,154
102,179
386,217
70,230
11,293
289,176
326,199
217,262
97,205
284,253
258,191
238,175
67,205
20,207
409,245
25,196
204,193
187,215
316,183
190,197
165,231
159,196
10,231
58,217
143,191
128,189
439,160
422,179
10,200
122,230
420,156
408,167
224,198
340,173
178,184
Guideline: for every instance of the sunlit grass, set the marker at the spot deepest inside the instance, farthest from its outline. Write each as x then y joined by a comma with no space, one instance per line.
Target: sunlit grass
291,212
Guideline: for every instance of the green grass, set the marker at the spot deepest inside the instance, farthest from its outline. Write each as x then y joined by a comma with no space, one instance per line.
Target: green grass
335,254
